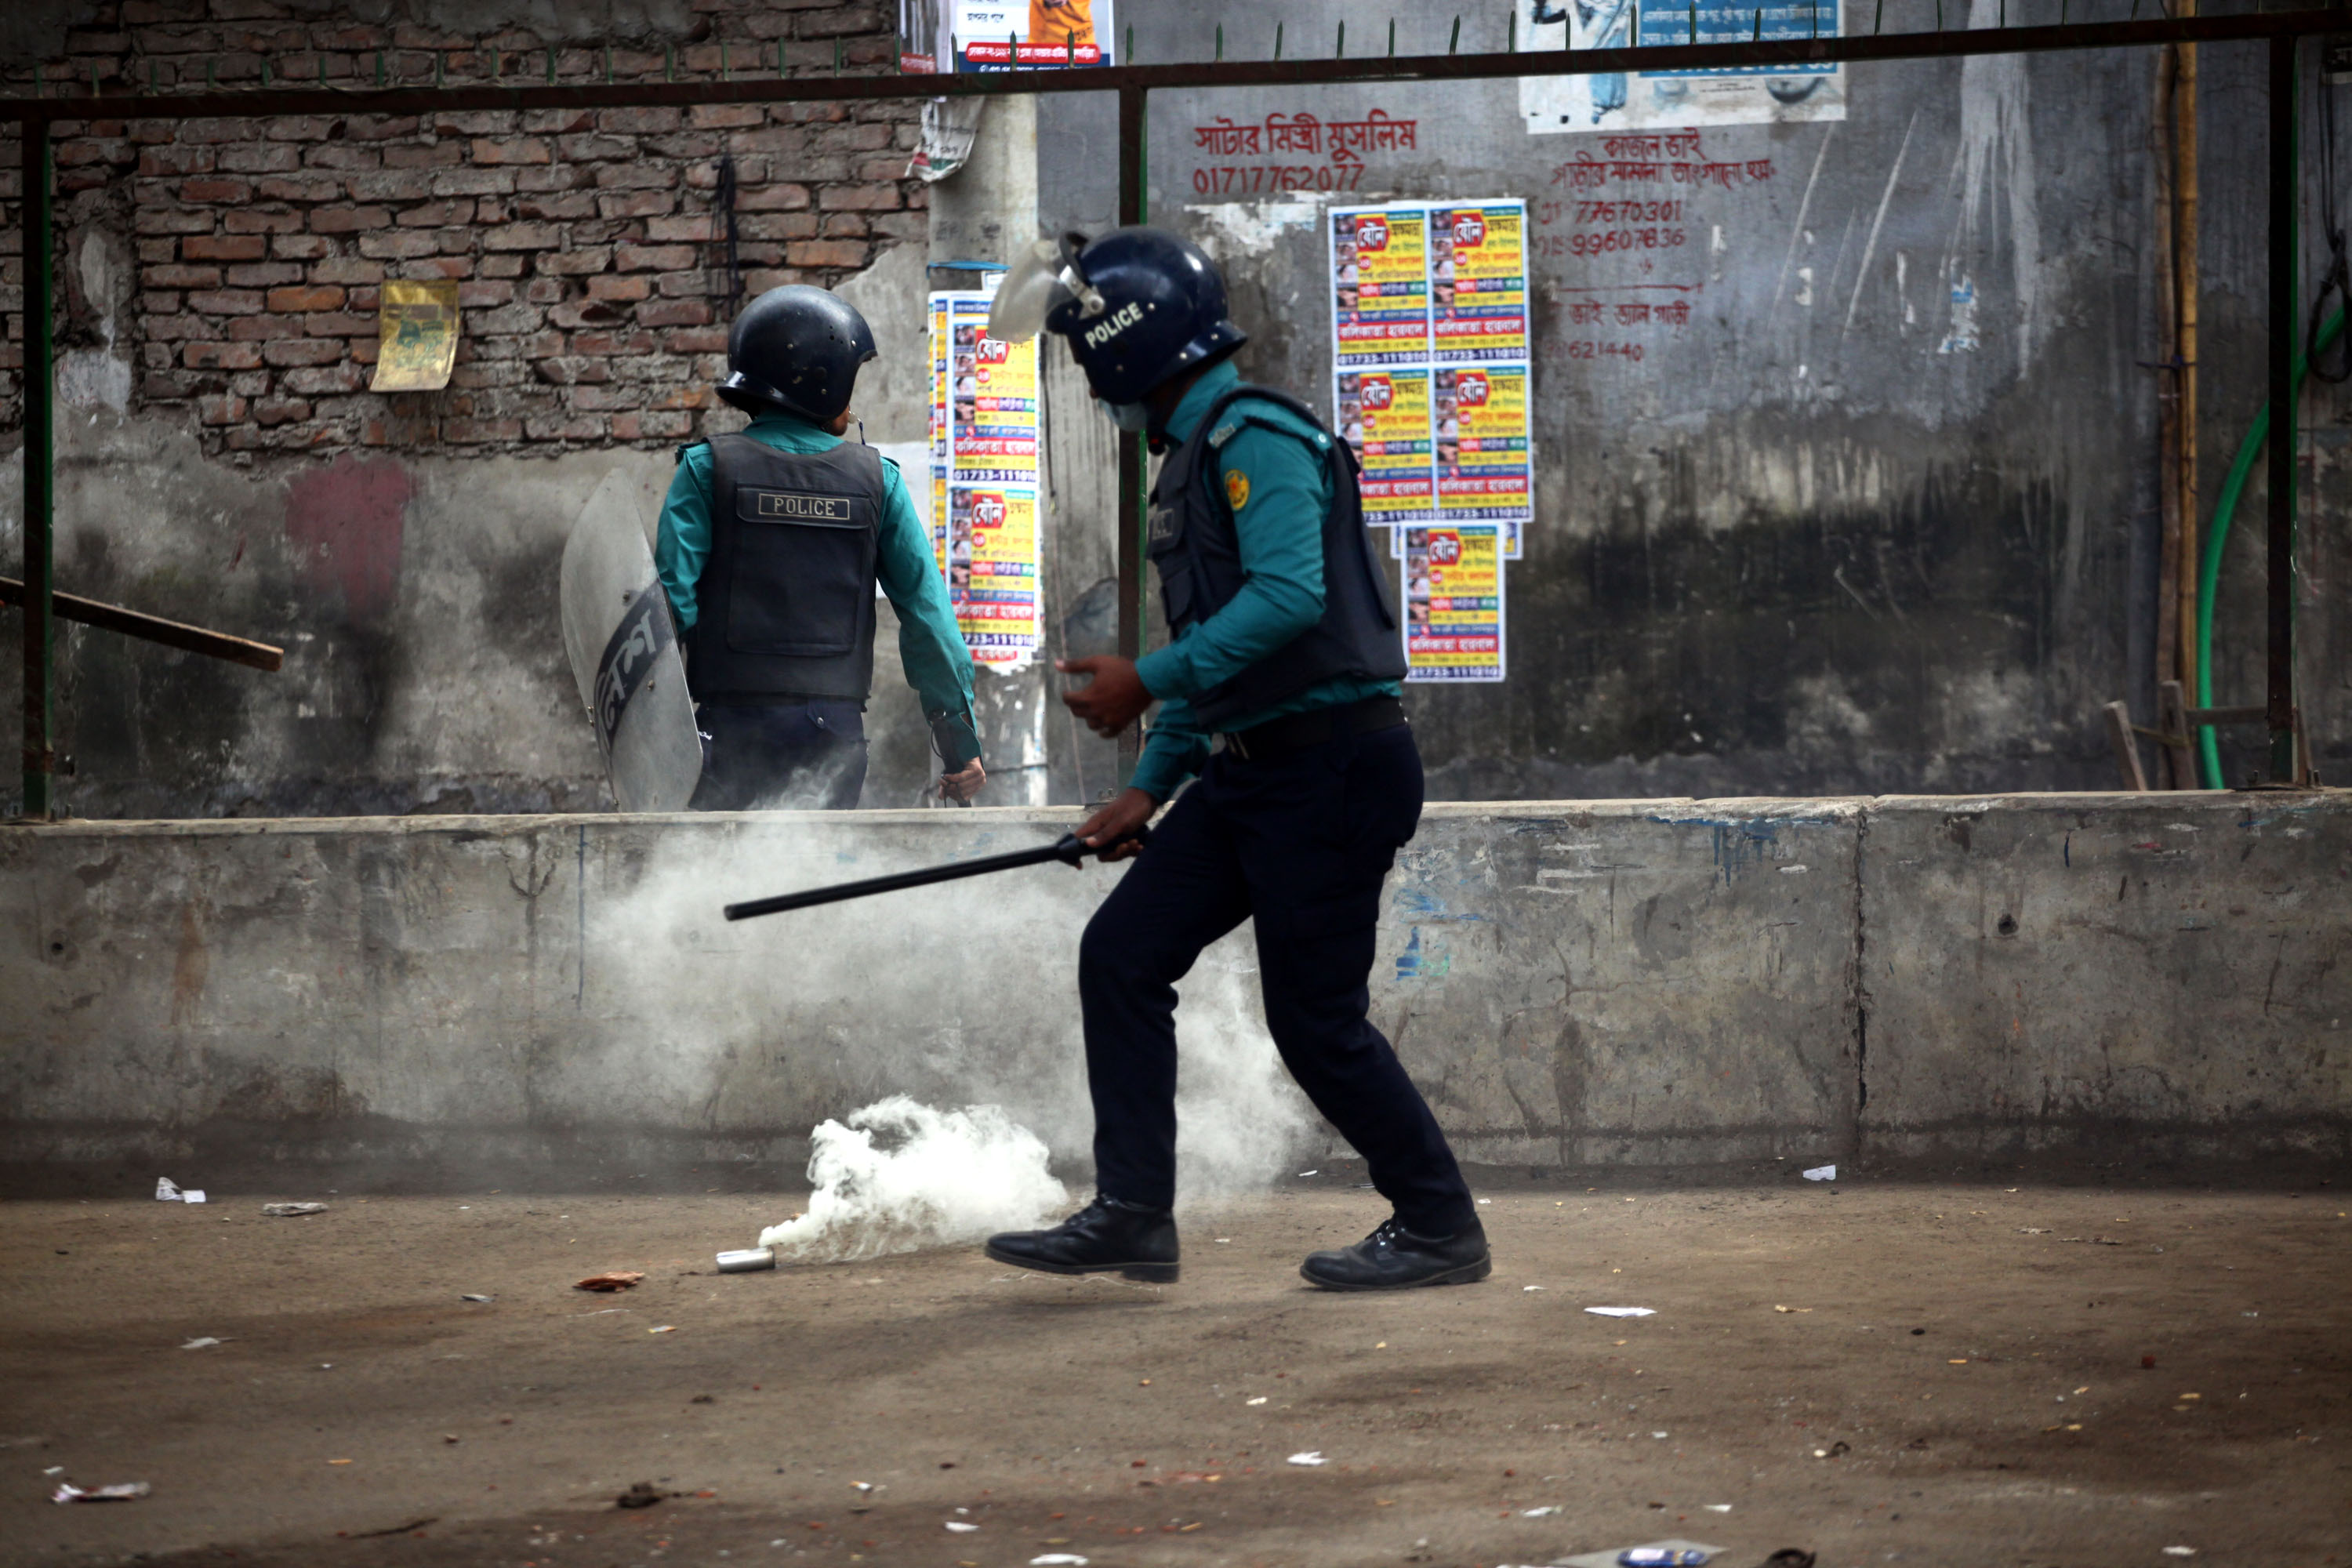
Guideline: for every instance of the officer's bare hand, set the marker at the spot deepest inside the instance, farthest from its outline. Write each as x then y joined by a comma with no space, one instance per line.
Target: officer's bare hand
1114,824
963,785
1113,700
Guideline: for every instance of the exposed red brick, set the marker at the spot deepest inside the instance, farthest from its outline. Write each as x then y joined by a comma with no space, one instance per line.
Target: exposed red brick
264,274
221,356
306,297
214,188
261,220
224,410
293,352
348,219
511,150
179,276
223,247
653,257
674,313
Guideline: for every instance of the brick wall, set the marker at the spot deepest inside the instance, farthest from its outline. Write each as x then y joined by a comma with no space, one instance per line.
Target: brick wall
586,245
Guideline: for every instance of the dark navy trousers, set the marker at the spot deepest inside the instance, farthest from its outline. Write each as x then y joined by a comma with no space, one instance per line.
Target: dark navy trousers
1299,844
782,755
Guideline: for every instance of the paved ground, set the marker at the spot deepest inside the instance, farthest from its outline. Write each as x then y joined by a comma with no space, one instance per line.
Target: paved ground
1969,1361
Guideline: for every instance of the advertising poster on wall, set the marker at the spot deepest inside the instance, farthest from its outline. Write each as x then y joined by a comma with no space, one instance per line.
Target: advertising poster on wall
1380,286
1478,281
984,478
1482,443
1385,415
1454,604
1453,441
1003,35
1619,101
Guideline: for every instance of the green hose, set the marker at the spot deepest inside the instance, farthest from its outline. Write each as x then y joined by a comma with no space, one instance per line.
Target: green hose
2209,754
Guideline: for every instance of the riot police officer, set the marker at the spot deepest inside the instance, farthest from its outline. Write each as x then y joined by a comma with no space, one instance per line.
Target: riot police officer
770,543
1285,649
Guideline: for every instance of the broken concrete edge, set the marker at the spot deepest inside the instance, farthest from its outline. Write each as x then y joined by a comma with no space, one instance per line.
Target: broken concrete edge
1697,811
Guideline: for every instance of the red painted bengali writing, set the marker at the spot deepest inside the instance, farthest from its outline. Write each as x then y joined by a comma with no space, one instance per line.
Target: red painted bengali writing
1629,313
1587,173
1343,173
1377,131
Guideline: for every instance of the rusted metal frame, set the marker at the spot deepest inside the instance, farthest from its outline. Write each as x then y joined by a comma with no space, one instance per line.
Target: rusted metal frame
40,760
2285,766
1130,509
151,628
1849,50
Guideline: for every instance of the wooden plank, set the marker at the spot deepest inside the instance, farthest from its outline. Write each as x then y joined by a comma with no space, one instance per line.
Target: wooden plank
2119,732
152,629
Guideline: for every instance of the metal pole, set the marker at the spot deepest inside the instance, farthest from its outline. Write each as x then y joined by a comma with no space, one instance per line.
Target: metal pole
1132,521
2279,709
40,385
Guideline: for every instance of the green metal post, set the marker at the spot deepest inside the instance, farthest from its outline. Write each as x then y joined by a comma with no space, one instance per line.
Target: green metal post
40,486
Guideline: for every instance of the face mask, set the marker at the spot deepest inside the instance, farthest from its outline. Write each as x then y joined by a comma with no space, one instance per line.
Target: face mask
1132,417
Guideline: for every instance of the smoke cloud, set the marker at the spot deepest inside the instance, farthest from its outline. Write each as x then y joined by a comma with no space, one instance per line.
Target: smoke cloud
871,1022
931,1178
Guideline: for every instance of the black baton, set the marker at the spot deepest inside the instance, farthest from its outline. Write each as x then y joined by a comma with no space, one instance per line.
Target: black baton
1069,850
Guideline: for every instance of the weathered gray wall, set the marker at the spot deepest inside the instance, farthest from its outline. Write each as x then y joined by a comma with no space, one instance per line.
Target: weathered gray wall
1636,984
1796,548
1800,546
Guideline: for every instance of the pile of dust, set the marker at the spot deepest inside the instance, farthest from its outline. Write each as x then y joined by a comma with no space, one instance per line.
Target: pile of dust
898,1175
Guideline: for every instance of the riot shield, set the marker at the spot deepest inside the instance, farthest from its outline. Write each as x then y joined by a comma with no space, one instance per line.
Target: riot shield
623,646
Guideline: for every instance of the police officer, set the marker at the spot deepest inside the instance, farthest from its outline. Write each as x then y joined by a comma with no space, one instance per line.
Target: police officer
1285,649
770,547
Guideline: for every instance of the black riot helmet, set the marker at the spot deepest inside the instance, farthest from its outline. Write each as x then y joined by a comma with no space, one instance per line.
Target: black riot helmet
1138,305
796,348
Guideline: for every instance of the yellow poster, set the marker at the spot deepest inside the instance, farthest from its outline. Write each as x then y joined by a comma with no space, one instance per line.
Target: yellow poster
984,478
1482,443
417,335
1380,286
1454,603
992,401
1479,280
992,571
1385,415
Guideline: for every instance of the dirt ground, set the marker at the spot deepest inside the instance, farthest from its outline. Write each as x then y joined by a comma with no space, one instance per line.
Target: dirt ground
1921,1374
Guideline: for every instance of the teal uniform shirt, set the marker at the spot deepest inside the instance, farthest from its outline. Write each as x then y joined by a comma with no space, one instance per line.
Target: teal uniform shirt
938,664
1277,485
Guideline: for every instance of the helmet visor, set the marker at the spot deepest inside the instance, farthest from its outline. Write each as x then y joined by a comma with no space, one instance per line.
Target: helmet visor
1043,277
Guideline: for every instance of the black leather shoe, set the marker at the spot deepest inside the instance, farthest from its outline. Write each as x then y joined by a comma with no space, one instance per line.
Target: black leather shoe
1107,1237
1394,1258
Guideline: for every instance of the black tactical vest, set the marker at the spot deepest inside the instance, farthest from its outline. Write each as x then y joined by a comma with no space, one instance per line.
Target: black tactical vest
1198,553
785,605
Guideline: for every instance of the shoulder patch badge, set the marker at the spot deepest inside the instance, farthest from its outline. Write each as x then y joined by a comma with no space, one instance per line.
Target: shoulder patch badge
1222,433
1236,488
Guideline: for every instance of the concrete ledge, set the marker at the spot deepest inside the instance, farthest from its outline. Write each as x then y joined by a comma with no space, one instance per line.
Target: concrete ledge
1648,984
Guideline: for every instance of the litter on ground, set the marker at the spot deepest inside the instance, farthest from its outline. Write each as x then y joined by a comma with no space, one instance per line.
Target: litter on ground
121,1491
1822,1173
1312,1456
616,1279
1623,1312
202,1342
288,1211
167,1191
1650,1554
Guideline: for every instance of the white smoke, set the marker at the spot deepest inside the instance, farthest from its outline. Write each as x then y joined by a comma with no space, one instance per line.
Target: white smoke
906,1006
932,1178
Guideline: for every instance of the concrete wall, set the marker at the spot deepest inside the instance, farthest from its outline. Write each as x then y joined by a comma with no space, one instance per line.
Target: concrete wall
1652,984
